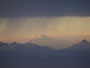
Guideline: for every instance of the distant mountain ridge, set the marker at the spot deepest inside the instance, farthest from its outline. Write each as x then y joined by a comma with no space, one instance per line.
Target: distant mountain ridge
84,44
30,55
45,40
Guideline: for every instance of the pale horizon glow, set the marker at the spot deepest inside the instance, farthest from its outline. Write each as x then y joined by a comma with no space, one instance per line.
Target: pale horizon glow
25,28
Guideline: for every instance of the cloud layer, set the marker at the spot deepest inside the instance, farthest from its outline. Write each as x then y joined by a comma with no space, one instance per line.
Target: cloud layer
51,8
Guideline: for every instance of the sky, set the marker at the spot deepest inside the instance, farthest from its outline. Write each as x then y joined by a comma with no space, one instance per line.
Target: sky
25,19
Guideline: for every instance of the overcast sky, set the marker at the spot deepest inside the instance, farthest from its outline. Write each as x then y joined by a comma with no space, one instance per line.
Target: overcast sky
30,8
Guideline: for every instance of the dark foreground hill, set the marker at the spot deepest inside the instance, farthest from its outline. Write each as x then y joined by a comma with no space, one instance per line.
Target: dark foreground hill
29,55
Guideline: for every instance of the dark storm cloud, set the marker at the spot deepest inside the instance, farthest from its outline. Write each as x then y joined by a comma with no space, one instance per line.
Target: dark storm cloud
35,8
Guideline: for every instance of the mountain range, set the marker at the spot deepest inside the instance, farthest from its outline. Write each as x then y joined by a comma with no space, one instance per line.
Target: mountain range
30,55
44,40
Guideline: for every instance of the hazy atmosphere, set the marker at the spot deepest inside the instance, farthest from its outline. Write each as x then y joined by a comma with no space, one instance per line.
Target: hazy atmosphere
25,20
25,29
44,33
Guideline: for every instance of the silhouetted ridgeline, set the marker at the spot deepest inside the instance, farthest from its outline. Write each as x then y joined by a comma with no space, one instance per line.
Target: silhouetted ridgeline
29,55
